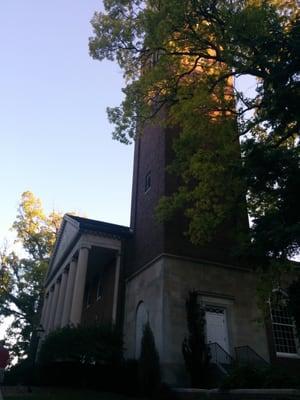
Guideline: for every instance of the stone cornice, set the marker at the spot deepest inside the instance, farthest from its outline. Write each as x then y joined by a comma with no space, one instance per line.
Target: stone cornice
190,259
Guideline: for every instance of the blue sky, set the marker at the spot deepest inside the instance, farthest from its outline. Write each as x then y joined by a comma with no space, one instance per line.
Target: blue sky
55,137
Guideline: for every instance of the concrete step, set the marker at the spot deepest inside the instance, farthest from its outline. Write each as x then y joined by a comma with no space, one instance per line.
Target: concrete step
237,394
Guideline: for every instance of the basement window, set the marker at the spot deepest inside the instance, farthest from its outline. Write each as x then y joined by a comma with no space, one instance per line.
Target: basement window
147,181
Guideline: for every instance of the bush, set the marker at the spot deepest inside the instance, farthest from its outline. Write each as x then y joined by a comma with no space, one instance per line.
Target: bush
148,366
105,377
19,374
86,345
250,377
194,349
81,356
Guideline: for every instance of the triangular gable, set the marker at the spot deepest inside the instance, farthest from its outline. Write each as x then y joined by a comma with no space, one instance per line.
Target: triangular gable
68,231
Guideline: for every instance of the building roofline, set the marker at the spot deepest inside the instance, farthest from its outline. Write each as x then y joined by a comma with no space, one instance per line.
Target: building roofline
87,224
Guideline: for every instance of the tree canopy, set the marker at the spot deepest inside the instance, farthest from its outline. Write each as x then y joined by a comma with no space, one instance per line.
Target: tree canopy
22,276
185,57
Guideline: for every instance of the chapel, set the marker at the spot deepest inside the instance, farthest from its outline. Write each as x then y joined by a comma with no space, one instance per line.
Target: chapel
111,274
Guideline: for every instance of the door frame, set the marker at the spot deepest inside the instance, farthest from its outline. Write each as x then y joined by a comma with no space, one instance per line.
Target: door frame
227,303
225,326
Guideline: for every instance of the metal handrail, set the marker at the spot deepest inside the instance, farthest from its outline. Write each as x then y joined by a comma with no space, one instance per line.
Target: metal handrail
245,354
219,355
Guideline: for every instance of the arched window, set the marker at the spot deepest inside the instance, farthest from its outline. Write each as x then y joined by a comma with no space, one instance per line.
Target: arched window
283,325
140,321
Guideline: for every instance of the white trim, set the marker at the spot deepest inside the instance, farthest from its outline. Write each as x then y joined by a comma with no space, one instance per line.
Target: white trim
287,355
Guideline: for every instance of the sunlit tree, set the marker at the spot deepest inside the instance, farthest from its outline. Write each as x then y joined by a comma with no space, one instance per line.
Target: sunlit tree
180,61
22,276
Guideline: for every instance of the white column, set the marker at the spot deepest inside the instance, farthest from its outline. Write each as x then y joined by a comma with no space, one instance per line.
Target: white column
44,310
49,308
79,286
116,288
54,305
60,301
69,293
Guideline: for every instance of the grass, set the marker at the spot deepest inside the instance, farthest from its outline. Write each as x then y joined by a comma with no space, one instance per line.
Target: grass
61,394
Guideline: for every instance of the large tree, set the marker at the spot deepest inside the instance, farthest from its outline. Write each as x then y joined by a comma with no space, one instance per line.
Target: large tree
184,57
22,276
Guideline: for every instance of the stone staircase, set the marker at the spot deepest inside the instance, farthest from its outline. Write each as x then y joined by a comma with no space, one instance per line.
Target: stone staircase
223,363
244,355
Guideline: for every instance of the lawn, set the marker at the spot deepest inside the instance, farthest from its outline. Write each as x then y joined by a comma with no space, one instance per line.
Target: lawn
58,394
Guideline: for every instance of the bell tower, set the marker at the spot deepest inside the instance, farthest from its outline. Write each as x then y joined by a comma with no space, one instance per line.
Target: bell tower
151,181
165,266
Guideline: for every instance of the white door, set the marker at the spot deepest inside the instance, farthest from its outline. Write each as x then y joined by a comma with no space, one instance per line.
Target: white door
216,326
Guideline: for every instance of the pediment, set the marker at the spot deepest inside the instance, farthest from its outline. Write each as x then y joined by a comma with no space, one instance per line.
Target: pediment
68,232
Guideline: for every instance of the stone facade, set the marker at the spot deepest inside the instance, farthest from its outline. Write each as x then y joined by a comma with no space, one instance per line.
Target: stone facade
164,285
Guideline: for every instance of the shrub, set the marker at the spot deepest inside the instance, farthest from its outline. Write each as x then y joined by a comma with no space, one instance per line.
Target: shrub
195,351
250,377
19,374
148,367
85,345
81,356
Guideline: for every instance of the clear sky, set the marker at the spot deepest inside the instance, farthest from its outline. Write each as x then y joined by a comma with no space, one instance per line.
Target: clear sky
55,137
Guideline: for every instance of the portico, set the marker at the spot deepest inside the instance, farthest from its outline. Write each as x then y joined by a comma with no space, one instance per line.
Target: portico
88,254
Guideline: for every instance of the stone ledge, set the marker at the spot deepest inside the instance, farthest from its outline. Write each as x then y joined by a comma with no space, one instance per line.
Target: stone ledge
237,394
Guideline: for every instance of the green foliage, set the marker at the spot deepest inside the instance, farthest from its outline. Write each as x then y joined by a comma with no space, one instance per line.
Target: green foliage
269,279
22,278
35,230
82,344
20,373
272,176
250,377
195,351
183,56
294,303
148,366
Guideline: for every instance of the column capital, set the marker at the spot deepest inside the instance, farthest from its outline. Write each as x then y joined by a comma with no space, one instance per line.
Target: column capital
85,245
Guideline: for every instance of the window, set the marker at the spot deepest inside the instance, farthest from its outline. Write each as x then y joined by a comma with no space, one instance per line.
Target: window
99,290
283,325
148,181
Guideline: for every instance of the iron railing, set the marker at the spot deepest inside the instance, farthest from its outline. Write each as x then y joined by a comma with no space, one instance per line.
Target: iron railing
246,355
220,357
